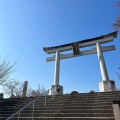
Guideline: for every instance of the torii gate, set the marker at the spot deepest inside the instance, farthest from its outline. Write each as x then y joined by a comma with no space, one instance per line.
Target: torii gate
106,84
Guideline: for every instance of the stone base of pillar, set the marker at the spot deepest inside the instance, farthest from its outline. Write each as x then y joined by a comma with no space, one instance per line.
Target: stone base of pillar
56,90
106,86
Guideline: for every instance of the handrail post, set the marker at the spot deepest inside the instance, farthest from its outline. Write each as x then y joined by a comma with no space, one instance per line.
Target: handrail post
18,115
53,96
45,101
33,110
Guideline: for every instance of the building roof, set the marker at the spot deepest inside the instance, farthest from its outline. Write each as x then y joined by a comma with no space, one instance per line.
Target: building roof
114,34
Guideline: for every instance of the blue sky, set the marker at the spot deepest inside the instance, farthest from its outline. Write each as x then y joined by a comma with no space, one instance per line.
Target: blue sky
26,26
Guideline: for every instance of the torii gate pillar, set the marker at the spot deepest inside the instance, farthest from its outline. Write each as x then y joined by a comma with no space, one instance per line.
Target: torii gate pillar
57,68
105,85
56,88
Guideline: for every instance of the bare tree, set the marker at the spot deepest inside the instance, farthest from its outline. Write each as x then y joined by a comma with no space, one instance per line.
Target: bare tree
33,93
117,22
6,68
118,74
13,88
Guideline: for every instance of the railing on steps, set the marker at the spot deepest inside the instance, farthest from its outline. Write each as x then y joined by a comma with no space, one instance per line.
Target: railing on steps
33,105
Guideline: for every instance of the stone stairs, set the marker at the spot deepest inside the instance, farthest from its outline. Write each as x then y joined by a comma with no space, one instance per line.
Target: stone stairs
83,106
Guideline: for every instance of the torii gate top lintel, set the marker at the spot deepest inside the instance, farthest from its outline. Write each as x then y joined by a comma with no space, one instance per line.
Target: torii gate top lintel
83,43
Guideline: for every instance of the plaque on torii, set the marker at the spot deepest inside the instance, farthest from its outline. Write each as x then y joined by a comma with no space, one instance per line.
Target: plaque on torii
106,84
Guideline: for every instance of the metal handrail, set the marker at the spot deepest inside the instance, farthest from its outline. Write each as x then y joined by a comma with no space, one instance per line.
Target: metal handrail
32,102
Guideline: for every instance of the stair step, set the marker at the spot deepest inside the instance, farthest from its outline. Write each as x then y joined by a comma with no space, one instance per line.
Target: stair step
65,118
66,115
71,111
70,107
